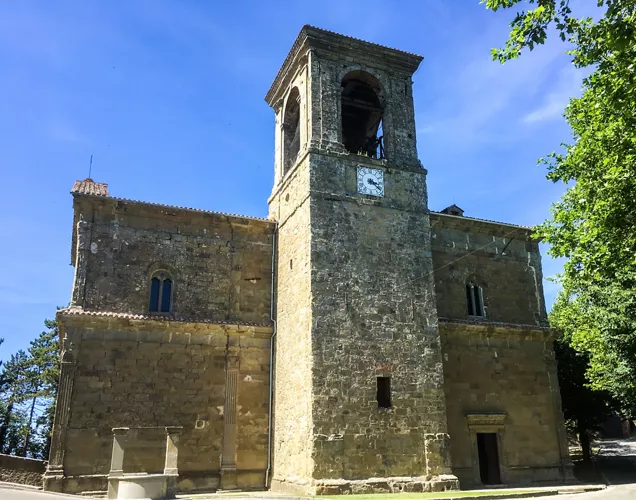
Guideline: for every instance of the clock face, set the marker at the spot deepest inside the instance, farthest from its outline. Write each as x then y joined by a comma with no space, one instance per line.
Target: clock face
370,181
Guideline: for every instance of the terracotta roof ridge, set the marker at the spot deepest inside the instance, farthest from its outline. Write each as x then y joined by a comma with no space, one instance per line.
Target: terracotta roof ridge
78,311
304,35
199,210
330,32
490,221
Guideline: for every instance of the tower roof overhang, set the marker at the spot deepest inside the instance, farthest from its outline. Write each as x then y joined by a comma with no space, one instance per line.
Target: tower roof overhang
327,42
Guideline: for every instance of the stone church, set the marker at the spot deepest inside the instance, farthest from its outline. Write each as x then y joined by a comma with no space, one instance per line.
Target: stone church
353,341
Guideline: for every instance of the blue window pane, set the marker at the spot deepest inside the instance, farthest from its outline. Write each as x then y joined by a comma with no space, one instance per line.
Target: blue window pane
166,294
478,309
154,295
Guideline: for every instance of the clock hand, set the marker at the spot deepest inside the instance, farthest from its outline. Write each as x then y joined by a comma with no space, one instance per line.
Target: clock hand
372,182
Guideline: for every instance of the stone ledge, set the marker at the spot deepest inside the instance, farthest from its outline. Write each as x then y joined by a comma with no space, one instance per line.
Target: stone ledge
533,332
407,484
195,331
418,484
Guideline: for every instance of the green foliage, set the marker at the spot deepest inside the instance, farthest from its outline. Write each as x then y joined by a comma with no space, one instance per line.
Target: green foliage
13,391
28,387
584,408
593,225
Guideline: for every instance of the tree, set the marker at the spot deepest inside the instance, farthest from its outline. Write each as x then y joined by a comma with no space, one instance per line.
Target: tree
593,225
583,408
13,389
42,379
28,388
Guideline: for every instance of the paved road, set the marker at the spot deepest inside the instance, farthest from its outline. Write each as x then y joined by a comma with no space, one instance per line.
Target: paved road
619,492
12,494
617,461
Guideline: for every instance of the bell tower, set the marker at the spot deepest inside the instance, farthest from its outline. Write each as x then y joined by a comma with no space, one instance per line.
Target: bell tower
359,398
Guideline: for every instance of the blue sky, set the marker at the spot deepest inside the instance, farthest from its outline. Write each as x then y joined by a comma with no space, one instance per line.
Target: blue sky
168,97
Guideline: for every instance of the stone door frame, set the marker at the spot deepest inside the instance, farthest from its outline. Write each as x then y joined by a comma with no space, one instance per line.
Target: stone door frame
492,423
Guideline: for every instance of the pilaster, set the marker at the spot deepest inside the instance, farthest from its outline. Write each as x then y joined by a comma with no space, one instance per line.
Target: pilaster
172,458
228,457
120,437
567,466
55,469
81,262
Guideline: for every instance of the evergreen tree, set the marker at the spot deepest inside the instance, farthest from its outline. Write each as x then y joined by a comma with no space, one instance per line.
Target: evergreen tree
28,388
43,374
13,390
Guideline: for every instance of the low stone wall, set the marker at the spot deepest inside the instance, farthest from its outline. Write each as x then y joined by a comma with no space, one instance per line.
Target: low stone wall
21,470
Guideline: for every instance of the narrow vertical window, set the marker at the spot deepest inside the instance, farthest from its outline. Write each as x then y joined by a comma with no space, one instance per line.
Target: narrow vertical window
166,295
160,293
383,394
475,300
291,130
155,284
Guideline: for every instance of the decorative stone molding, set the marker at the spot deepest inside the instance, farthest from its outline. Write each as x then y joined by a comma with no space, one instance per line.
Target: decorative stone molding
228,457
492,421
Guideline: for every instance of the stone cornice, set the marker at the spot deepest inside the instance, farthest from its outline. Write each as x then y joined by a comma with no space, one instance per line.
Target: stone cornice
312,38
78,318
544,333
161,209
347,157
483,225
485,419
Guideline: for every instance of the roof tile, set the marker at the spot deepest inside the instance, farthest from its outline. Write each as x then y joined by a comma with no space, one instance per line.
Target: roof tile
75,311
89,186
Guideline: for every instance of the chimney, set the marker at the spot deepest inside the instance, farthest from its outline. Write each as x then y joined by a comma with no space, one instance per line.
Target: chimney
453,210
90,187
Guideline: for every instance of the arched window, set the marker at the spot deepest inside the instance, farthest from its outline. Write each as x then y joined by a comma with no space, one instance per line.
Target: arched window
160,292
475,300
362,113
291,130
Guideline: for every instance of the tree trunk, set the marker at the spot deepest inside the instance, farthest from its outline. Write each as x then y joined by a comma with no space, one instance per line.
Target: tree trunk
27,431
584,439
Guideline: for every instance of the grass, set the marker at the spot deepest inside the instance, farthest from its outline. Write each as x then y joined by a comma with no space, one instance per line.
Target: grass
424,496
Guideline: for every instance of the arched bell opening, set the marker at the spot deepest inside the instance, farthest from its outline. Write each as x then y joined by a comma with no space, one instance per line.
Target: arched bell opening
291,130
362,113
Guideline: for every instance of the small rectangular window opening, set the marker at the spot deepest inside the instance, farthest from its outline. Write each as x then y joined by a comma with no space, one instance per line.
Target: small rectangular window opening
475,301
384,392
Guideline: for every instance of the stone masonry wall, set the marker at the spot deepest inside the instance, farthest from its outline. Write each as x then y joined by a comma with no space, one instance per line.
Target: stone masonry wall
152,373
293,464
21,470
373,315
220,265
509,370
502,259
355,308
